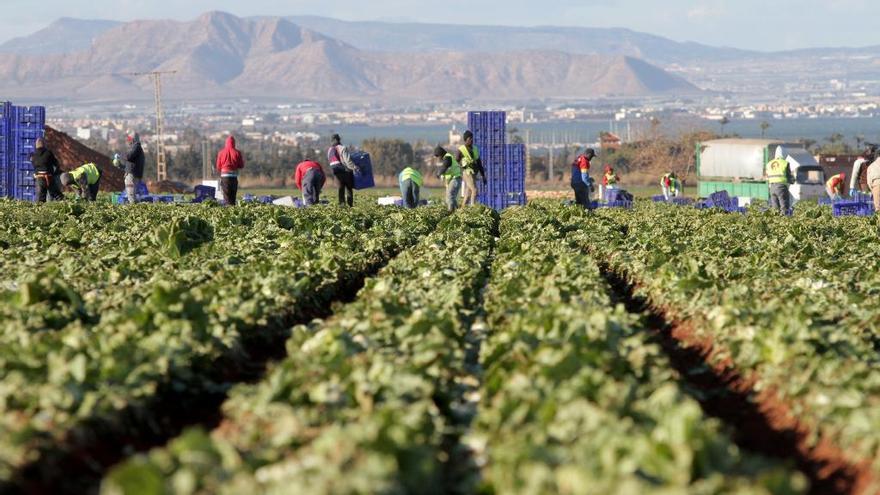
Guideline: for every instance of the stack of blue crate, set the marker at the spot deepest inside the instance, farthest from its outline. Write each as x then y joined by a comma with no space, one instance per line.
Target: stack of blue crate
505,164
20,127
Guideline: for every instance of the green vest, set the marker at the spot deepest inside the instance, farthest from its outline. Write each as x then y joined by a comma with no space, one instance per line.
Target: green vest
468,161
454,171
673,183
412,174
777,171
91,171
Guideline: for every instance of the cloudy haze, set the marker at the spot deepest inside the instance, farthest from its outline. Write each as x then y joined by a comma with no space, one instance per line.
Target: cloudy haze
751,24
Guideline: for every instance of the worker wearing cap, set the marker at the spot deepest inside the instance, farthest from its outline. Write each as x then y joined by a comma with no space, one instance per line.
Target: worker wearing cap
133,165
859,167
778,172
471,164
580,178
670,185
834,186
46,170
85,180
310,179
450,172
411,182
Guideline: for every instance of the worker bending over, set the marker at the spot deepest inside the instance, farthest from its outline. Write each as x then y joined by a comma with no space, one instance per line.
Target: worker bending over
410,181
46,169
834,186
778,172
310,179
85,180
450,172
860,167
471,164
580,178
670,185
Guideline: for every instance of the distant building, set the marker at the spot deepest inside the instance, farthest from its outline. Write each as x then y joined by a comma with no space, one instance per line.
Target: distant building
454,136
83,133
610,141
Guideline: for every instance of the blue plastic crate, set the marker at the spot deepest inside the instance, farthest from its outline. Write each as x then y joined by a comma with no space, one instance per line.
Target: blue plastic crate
617,204
862,198
363,178
852,208
682,201
206,192
719,197
29,115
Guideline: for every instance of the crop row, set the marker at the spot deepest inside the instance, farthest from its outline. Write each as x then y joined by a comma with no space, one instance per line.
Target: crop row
795,302
364,403
201,302
576,397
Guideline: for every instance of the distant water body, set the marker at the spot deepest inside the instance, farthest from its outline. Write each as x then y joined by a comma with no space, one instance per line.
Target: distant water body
588,131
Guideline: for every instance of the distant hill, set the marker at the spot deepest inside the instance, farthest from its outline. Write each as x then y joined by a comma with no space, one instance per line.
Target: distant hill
219,54
65,35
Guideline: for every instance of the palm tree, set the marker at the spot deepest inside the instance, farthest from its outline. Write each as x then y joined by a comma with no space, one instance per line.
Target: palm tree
764,126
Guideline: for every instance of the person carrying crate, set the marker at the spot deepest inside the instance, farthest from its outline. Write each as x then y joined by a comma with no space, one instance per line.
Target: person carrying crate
580,178
451,175
310,179
778,172
85,180
411,182
471,164
834,186
46,169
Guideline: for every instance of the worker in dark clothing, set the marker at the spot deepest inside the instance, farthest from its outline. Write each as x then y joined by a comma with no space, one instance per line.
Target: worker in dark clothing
343,169
230,161
134,167
450,172
580,178
310,179
46,170
85,180
471,164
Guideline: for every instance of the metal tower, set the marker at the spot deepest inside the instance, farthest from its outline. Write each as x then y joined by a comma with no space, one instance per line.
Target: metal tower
161,161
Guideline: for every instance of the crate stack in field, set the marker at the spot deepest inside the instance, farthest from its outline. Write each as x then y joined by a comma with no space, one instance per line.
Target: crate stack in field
20,127
505,164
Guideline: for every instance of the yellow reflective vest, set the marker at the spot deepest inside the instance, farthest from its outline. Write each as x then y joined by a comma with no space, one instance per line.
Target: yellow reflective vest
412,174
467,160
454,171
777,171
91,172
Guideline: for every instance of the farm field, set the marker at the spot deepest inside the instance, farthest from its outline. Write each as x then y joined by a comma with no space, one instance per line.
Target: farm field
183,349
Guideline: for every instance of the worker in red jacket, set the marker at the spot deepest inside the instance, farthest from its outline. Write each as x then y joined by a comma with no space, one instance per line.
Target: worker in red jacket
310,179
229,162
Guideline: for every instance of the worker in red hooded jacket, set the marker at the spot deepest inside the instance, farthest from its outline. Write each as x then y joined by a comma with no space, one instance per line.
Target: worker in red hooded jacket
310,179
834,186
229,162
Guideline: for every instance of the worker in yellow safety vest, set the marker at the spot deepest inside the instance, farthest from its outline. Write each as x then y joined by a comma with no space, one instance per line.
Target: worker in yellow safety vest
779,177
451,175
411,182
471,165
85,180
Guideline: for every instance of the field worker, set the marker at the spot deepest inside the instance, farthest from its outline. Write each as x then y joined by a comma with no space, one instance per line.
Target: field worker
860,167
471,164
778,172
343,169
133,166
410,181
450,172
229,163
670,185
610,180
834,186
46,169
580,178
874,183
85,180
310,179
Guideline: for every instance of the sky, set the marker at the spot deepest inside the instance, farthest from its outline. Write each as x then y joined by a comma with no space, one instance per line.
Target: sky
751,24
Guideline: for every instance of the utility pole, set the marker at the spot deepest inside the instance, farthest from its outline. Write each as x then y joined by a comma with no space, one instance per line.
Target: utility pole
161,161
528,154
206,160
550,164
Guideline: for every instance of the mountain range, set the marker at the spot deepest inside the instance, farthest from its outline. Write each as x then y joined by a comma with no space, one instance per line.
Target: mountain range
219,54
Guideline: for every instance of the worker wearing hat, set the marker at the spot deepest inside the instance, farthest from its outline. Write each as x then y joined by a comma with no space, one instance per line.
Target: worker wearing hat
133,165
450,172
471,165
85,180
778,172
580,178
46,171
834,186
